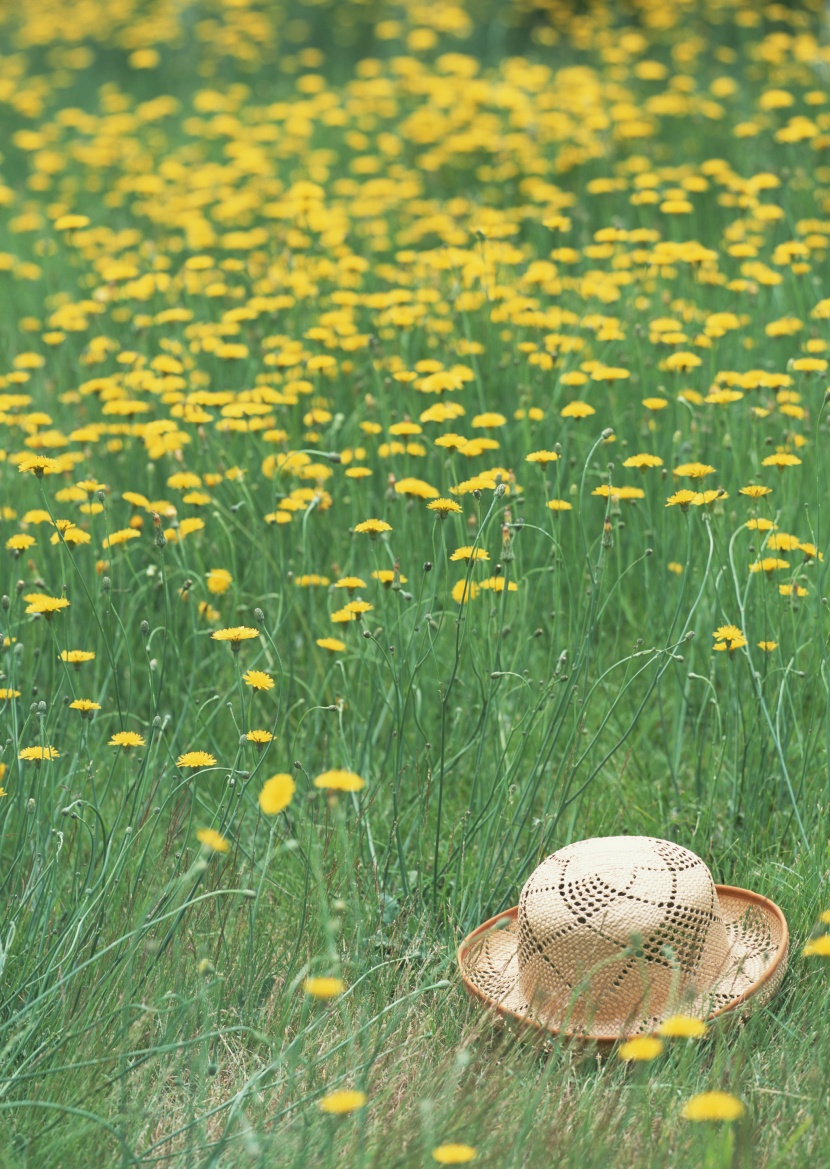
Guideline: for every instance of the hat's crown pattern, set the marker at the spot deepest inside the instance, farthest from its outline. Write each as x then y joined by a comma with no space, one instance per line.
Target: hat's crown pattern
614,934
627,922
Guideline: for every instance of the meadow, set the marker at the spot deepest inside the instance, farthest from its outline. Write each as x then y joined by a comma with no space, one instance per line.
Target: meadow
414,459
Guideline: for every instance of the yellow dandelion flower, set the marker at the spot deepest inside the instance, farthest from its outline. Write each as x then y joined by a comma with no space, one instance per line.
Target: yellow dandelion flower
127,739
578,410
196,759
373,527
218,581
38,754
714,1106
212,839
416,488
454,1154
339,780
818,947
338,1103
781,460
324,988
120,537
334,644
259,738
464,591
235,635
682,1027
641,1049
468,553
258,679
277,793
76,657
85,705
444,507
39,464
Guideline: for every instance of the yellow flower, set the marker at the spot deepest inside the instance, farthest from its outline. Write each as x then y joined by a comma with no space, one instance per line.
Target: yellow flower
682,1027
468,553
324,988
76,657
693,470
259,680
340,781
643,1048
126,739
85,705
276,793
348,1100
259,738
781,460
38,754
714,1106
46,607
577,410
196,759
444,507
464,591
120,537
542,457
218,580
453,1154
415,487
373,527
643,462
235,635
331,643
559,505
818,947
212,839
40,464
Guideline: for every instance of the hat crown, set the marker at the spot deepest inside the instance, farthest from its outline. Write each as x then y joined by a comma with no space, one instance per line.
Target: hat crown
622,924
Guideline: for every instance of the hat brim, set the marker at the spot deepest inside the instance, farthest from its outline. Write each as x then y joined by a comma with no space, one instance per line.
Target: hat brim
758,951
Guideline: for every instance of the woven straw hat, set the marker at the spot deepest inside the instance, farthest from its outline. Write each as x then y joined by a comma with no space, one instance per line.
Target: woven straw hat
612,936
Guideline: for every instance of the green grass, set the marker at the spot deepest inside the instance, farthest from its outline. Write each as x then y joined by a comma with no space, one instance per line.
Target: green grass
335,200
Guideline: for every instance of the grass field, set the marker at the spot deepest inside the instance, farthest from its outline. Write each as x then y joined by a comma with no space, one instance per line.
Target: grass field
415,458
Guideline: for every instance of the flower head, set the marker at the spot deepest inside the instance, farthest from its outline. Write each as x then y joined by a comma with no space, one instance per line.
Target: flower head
38,754
127,739
40,464
235,635
324,988
641,1049
276,793
444,507
714,1106
339,1103
212,840
454,1154
682,1027
340,781
76,657
196,759
373,527
258,679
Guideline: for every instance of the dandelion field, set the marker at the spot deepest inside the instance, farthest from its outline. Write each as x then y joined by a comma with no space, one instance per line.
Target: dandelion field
415,459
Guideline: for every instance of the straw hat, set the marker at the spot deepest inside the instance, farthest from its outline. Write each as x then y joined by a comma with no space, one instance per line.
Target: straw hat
613,935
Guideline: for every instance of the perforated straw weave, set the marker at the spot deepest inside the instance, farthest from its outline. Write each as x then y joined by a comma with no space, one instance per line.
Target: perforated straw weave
613,935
